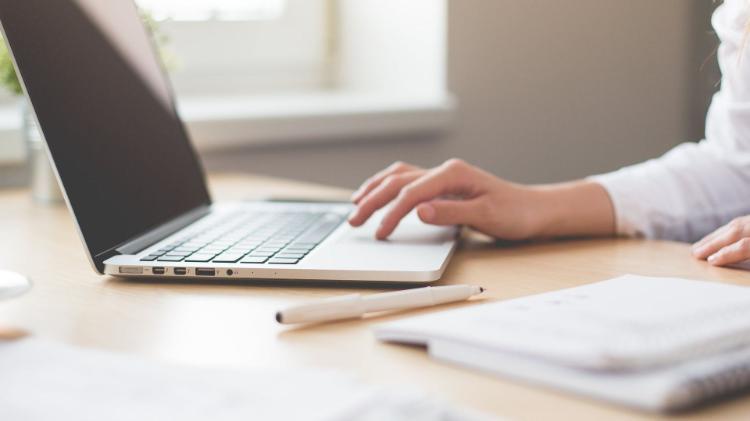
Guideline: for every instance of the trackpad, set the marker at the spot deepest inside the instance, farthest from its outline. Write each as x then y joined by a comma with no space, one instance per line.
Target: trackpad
414,246
411,230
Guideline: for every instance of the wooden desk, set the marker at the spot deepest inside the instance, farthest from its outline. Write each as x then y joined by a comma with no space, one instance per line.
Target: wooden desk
235,325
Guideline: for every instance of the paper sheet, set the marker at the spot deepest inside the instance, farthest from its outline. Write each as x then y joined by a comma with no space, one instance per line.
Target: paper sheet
629,322
41,380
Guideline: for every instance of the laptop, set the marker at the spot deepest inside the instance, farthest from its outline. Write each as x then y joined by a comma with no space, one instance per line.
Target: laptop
136,188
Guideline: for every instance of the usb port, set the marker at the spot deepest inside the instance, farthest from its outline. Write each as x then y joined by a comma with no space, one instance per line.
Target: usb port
180,271
157,270
205,272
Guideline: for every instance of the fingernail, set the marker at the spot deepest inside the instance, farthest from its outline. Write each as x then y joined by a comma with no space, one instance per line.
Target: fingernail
380,233
353,215
712,258
426,212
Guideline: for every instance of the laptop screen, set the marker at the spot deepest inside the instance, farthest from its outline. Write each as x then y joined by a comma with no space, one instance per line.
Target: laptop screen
106,110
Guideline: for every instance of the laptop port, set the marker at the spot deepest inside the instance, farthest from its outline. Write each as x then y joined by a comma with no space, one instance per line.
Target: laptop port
180,271
158,270
205,272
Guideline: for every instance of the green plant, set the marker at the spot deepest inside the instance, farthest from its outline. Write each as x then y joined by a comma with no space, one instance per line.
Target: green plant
161,40
9,79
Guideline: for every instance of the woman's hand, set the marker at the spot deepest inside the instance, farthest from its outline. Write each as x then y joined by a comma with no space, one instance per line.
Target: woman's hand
727,245
456,193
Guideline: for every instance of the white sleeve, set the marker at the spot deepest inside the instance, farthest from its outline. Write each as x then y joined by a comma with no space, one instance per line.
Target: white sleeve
696,187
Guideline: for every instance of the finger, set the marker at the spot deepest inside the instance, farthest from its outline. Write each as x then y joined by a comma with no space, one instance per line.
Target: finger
446,179
381,196
732,233
708,238
448,212
733,253
374,181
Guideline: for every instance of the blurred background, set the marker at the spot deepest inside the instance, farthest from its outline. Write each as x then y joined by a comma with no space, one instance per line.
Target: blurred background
333,90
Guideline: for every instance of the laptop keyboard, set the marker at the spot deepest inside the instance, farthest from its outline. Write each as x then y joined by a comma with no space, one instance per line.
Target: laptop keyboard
253,238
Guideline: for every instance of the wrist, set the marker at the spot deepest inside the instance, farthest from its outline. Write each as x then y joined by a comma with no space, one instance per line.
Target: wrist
580,208
543,210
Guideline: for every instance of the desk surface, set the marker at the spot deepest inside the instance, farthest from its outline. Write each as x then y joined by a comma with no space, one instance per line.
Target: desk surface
234,325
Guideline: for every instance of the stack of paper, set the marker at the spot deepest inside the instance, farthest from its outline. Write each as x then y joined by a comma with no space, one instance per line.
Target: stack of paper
654,343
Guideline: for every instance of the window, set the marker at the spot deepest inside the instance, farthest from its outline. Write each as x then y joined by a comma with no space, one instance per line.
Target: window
243,47
302,70
268,71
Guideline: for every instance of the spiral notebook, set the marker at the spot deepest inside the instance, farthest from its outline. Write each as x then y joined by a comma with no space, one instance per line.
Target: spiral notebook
659,344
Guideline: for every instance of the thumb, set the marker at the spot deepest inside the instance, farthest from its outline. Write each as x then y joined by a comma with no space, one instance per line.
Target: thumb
447,212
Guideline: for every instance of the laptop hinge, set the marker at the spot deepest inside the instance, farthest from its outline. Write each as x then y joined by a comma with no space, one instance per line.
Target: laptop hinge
159,233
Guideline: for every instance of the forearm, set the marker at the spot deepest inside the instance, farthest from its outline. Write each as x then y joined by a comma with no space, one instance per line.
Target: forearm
579,208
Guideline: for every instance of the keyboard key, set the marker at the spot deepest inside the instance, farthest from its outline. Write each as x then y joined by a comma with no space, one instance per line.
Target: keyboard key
257,253
213,248
171,258
290,255
237,250
251,244
268,249
227,258
180,253
150,258
200,258
303,244
186,249
291,249
255,260
278,244
194,244
244,250
281,261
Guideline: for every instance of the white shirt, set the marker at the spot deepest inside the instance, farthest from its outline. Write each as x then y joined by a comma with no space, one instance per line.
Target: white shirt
697,187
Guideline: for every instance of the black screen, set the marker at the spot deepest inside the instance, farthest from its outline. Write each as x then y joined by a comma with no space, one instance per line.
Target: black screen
107,114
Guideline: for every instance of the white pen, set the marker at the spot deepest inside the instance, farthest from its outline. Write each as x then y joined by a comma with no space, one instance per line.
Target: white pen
357,305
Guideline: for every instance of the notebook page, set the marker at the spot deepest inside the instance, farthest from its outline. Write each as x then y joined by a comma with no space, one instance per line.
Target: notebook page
623,323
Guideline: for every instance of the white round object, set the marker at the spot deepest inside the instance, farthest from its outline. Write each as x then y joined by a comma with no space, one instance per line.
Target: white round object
12,284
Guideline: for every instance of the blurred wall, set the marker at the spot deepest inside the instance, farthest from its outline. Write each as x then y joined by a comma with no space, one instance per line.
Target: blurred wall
547,90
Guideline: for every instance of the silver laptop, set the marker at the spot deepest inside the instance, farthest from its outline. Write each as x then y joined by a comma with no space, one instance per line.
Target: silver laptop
134,183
